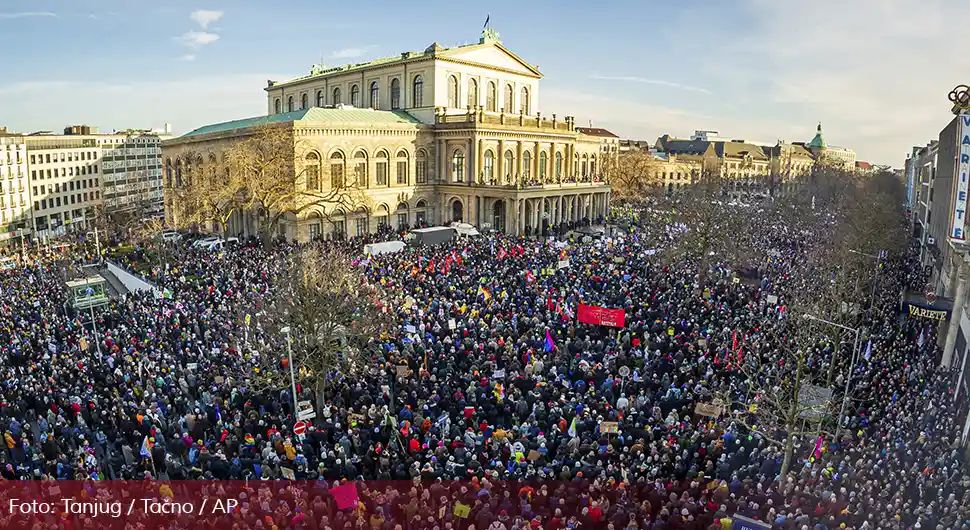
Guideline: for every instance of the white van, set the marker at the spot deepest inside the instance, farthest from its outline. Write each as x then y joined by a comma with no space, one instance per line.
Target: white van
220,243
205,241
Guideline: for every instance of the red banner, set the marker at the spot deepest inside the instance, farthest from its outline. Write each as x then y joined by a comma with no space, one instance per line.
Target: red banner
601,316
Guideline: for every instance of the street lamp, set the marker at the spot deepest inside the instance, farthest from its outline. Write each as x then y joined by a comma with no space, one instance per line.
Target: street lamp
855,358
289,356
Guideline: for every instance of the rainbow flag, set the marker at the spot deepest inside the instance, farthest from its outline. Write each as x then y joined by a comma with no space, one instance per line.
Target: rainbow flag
146,448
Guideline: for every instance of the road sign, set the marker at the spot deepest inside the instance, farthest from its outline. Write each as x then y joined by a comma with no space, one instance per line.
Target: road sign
307,415
305,403
930,297
624,371
299,427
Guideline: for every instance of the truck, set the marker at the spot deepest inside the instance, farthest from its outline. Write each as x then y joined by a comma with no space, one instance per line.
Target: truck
384,247
435,235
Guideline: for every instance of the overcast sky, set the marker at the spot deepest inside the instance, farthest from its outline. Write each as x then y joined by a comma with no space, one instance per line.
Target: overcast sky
876,73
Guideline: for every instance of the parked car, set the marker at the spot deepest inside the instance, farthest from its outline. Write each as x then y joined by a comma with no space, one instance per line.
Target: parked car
170,235
205,241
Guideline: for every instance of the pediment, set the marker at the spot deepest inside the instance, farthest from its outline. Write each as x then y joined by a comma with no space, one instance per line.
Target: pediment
492,54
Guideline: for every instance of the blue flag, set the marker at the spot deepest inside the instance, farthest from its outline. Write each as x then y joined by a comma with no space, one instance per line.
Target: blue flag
549,343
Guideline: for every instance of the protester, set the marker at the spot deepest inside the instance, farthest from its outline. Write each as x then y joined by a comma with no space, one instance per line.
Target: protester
504,384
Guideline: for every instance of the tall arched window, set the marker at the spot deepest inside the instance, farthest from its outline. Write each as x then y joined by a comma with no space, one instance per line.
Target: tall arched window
490,97
320,98
509,169
395,93
336,96
355,96
289,104
381,168
337,170
592,166
458,165
585,166
304,102
472,93
526,165
417,93
509,96
576,164
452,91
360,168
558,165
311,168
375,95
276,106
543,159
421,167
524,101
401,168
488,171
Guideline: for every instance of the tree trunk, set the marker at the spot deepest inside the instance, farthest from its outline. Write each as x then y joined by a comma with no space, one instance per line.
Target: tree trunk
786,463
321,392
835,356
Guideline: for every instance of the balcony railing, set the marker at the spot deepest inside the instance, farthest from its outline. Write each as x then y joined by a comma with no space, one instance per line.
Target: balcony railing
521,183
479,115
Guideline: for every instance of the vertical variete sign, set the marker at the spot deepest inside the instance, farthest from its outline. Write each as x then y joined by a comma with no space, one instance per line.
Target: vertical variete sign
958,219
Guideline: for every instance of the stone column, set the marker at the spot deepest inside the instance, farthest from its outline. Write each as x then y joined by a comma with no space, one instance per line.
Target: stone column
440,169
501,161
569,148
552,163
535,215
520,216
510,218
535,162
474,162
957,314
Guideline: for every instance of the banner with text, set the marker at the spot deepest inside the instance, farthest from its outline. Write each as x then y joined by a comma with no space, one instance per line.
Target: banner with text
601,316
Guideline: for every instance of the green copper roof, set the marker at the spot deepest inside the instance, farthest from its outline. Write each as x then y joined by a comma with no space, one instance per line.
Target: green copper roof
314,114
818,142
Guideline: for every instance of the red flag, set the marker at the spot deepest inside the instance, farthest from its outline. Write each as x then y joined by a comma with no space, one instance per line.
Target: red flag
734,340
529,277
502,253
345,495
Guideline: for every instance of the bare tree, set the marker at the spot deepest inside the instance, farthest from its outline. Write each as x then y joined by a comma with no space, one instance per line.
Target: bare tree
633,176
270,173
333,314
777,389
208,196
713,231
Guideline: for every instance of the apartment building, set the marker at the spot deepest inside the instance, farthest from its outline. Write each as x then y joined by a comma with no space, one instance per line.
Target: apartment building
65,182
131,167
14,192
78,173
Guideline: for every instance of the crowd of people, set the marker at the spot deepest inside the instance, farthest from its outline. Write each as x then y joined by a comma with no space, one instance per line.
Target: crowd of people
510,406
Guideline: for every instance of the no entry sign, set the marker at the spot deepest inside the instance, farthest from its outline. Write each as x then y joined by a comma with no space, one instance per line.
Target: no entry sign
299,427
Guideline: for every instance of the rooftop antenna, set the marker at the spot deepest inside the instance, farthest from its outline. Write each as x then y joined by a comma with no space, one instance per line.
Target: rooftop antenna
488,17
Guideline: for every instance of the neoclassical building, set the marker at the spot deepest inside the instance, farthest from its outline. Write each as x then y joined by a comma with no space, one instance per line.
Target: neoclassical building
437,136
